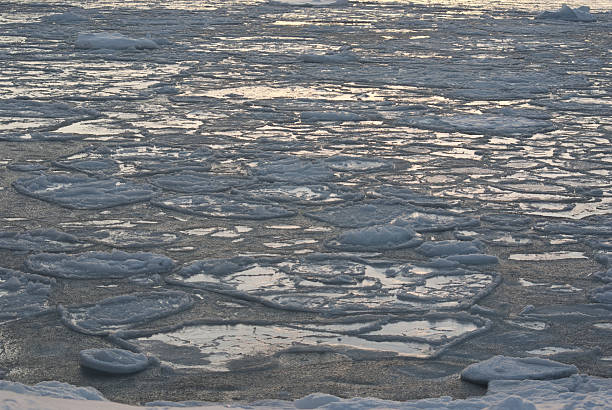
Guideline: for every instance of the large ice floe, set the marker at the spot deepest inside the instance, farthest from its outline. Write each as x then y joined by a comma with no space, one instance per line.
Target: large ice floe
109,315
113,41
340,284
40,240
22,295
99,265
80,192
200,182
582,14
396,234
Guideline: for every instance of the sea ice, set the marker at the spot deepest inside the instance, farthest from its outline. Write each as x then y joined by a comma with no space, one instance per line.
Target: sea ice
294,170
310,3
41,240
64,18
52,389
345,163
582,14
199,182
447,248
112,41
303,194
394,235
113,361
361,215
22,295
83,192
342,56
99,265
337,116
123,312
223,206
129,238
481,124
513,368
602,294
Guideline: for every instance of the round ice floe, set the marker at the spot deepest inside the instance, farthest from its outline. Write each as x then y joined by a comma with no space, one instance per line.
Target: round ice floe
223,206
394,235
113,361
127,238
22,295
361,215
83,192
122,312
200,182
345,163
481,124
137,160
307,194
514,368
99,265
294,170
48,240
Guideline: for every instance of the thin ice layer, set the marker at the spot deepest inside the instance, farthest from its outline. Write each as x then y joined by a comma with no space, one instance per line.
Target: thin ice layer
83,192
123,312
99,265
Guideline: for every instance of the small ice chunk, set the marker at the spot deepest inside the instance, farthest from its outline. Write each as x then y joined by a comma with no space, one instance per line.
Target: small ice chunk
582,14
446,248
514,368
99,265
113,41
113,361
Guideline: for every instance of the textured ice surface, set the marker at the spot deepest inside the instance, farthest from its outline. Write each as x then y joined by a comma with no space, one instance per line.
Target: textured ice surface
223,206
333,283
568,14
192,182
446,248
43,240
304,194
293,169
112,41
22,295
221,347
394,235
513,368
131,238
481,124
359,215
123,312
83,192
113,361
99,265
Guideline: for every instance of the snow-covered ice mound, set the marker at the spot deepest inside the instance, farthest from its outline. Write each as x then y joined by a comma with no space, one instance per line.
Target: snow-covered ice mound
137,160
122,312
41,240
294,170
129,238
199,182
481,124
52,389
113,361
304,194
22,295
99,265
113,41
223,206
394,235
567,13
339,284
513,368
83,192
222,347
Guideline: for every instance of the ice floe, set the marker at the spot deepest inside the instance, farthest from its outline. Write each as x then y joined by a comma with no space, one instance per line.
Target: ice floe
447,248
113,361
131,238
22,295
339,284
79,192
481,124
395,235
342,56
303,194
40,240
65,18
223,206
513,368
123,312
198,182
113,41
294,170
99,265
310,3
582,14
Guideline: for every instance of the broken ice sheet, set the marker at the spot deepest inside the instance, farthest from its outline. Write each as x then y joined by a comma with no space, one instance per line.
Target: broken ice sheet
137,160
22,295
223,206
223,347
338,283
123,312
304,194
79,192
129,238
99,265
200,182
41,240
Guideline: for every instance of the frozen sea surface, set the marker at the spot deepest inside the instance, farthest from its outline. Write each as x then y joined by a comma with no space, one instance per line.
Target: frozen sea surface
268,199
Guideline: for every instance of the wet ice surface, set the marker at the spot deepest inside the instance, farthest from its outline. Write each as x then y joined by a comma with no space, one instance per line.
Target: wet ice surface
431,149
